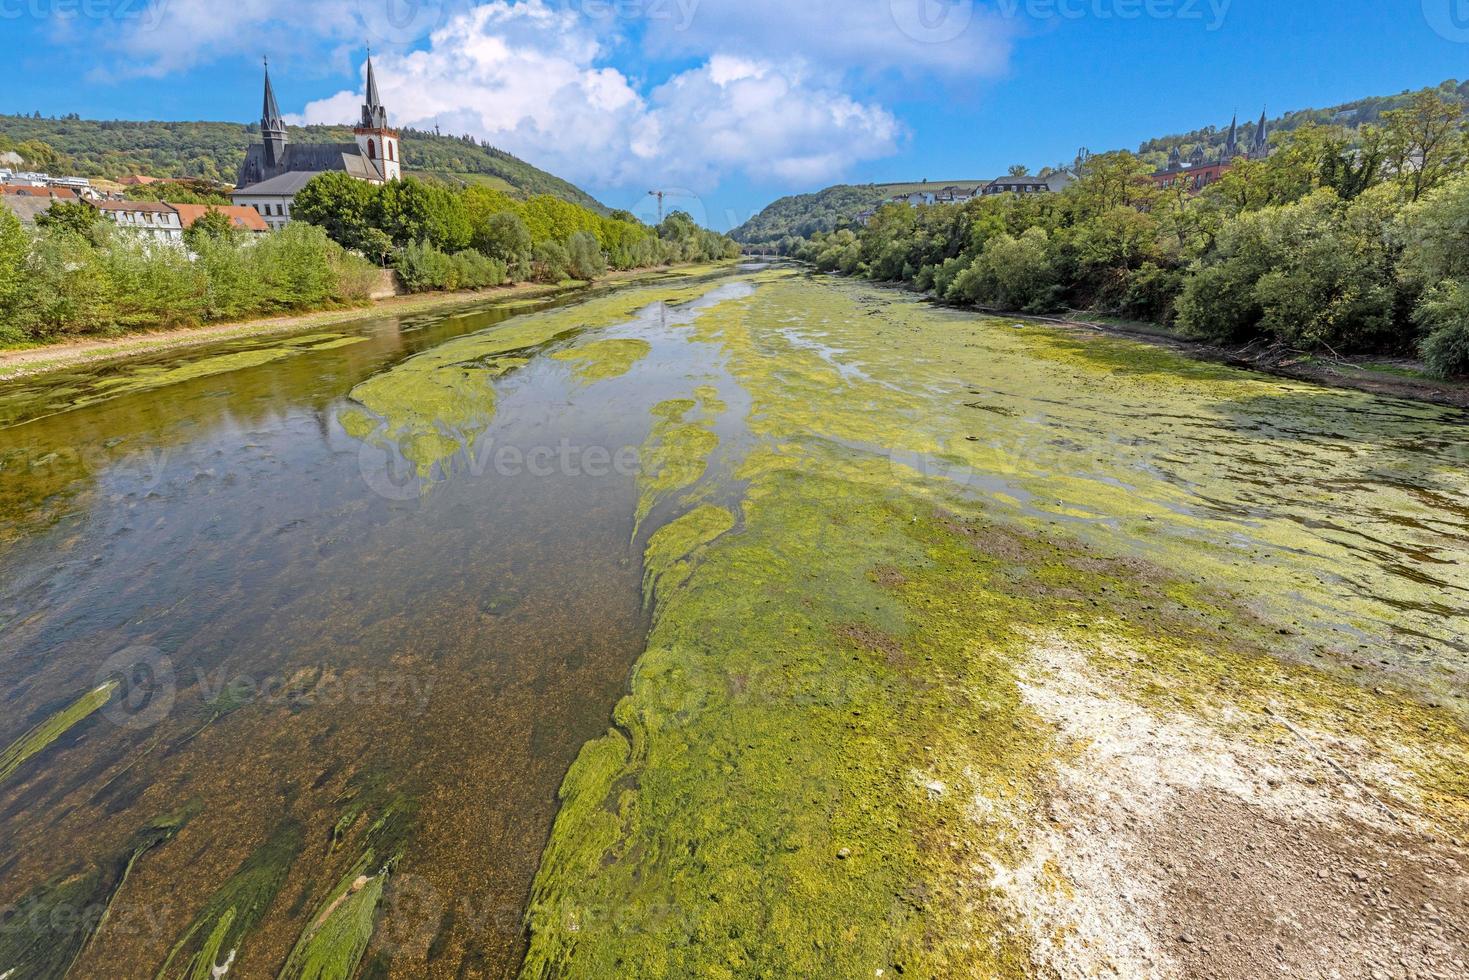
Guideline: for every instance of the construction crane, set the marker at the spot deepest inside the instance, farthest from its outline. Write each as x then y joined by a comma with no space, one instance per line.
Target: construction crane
659,195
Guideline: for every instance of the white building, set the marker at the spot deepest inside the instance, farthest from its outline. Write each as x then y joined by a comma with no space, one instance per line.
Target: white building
150,219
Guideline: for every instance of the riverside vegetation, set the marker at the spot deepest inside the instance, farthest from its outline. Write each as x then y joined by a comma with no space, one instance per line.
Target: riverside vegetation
1340,242
78,275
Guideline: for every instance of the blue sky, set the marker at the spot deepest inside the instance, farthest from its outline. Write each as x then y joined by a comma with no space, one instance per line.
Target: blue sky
731,103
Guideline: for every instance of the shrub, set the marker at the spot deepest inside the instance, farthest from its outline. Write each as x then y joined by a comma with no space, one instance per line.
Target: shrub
1444,315
424,268
474,270
585,258
551,262
1011,274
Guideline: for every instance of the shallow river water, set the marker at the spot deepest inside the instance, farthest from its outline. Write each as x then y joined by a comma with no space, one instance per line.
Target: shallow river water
356,599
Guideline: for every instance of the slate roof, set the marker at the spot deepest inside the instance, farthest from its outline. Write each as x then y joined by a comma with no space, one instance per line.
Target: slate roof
312,158
284,185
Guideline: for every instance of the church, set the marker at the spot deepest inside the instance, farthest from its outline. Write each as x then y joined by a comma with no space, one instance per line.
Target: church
1202,169
276,169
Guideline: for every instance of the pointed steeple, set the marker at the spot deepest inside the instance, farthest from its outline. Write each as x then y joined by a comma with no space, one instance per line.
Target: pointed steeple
272,126
374,115
270,114
1261,145
1231,145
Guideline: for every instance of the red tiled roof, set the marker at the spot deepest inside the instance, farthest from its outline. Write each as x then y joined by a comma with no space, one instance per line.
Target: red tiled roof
60,193
241,217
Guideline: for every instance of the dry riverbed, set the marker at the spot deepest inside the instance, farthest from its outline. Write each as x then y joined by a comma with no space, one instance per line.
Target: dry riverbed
955,650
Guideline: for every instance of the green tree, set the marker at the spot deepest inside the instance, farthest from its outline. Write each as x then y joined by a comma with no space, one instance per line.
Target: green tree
585,258
14,247
76,217
212,225
338,204
504,236
1425,142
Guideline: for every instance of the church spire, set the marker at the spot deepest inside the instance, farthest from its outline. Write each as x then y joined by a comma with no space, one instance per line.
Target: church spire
1262,137
1231,145
374,115
272,126
270,114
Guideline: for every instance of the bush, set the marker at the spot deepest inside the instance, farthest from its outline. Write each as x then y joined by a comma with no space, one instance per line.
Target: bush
585,258
473,270
1011,274
424,268
551,262
1314,273
1444,316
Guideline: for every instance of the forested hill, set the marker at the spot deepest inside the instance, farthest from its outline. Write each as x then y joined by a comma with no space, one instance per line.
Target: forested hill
214,150
803,215
1352,115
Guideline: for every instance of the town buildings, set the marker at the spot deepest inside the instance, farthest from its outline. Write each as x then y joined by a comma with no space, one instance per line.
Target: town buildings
275,170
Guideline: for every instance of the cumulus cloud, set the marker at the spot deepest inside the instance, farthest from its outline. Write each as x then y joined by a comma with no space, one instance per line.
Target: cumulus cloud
531,78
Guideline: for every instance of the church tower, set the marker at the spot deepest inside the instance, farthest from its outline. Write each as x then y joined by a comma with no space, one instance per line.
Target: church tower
1261,146
1231,145
378,143
272,126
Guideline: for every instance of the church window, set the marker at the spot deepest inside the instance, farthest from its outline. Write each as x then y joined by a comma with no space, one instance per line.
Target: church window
372,149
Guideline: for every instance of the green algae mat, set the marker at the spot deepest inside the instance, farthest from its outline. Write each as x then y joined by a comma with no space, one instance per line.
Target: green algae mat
746,623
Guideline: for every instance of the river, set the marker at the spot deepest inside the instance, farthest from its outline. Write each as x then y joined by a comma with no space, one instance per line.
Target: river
356,600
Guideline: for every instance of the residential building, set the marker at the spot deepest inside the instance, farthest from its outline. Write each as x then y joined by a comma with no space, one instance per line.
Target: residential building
275,170
151,219
26,207
45,193
1052,183
241,218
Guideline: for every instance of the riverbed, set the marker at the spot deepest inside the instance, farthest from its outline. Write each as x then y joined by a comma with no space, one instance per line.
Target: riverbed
753,623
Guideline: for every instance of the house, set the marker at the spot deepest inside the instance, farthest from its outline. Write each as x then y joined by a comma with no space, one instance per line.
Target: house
26,207
1201,170
1052,183
241,218
151,219
275,170
45,193
138,180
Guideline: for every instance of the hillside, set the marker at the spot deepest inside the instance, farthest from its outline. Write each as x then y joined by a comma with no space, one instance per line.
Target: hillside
1351,115
802,215
214,150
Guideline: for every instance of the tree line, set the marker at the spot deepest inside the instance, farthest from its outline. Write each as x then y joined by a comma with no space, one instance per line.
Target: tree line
79,274
440,237
1348,242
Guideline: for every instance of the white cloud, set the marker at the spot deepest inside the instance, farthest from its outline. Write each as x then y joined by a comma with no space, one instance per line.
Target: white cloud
960,38
531,78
